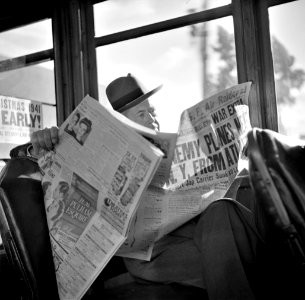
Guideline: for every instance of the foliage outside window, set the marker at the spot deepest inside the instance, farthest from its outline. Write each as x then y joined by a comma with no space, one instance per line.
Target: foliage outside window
289,66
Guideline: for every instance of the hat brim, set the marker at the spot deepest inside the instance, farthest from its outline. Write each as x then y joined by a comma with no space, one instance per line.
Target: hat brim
138,100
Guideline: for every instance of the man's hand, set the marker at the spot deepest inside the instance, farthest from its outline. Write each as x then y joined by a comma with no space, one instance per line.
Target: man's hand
44,139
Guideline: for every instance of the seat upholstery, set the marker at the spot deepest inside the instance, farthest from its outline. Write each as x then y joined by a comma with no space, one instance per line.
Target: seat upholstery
277,172
8,286
24,231
277,169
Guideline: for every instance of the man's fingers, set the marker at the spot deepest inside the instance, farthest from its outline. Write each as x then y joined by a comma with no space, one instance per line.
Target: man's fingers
35,143
54,135
44,139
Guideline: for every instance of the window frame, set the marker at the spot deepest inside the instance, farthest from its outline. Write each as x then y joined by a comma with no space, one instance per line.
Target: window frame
74,49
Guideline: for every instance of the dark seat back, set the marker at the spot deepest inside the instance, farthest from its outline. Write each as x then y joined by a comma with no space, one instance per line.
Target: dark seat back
277,170
24,231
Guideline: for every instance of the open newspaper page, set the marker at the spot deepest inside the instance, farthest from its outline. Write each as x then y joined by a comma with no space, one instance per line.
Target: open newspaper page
211,138
93,183
165,141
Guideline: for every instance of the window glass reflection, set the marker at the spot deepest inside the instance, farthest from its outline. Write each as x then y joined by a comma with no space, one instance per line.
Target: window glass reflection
26,39
192,63
118,15
49,116
288,46
32,83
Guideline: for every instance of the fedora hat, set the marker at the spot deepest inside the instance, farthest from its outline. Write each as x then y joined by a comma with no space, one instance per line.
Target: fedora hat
126,92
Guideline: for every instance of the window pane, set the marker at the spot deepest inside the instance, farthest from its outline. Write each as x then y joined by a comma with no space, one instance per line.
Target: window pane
118,15
49,116
35,83
289,66
2,164
25,40
182,60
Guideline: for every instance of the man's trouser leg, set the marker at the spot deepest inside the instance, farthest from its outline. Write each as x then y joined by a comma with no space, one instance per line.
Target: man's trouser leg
228,250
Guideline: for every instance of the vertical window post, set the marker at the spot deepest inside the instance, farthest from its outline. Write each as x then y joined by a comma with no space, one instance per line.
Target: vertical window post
254,60
74,55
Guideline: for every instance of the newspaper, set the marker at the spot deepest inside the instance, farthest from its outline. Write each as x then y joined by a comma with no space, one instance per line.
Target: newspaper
211,137
105,200
92,182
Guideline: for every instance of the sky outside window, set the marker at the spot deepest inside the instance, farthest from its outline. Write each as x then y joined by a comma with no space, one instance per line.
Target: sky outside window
172,58
286,27
26,39
135,13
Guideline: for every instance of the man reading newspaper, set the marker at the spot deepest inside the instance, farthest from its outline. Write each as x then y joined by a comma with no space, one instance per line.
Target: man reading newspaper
222,250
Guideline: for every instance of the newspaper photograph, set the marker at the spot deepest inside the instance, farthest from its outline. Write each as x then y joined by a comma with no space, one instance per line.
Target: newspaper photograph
92,183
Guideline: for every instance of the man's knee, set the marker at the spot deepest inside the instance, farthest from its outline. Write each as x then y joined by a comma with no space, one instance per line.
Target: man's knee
221,222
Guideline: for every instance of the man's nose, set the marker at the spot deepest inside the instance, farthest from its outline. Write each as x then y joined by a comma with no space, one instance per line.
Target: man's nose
150,117
152,120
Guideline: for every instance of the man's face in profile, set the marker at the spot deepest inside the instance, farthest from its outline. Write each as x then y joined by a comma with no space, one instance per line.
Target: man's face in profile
143,114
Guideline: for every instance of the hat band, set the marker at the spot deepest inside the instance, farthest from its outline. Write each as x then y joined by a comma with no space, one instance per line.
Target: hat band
127,98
